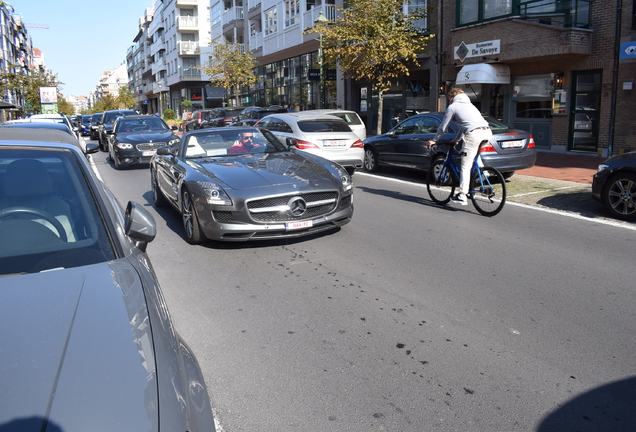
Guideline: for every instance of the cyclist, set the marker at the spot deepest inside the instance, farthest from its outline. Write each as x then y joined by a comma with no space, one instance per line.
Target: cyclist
473,127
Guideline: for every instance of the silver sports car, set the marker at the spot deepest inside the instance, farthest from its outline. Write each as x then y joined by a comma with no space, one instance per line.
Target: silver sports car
242,183
87,342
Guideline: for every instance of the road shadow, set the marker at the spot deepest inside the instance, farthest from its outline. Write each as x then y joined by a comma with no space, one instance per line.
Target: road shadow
611,407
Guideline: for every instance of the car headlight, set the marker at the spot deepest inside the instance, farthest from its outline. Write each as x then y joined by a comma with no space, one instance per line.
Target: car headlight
345,178
124,146
602,167
214,193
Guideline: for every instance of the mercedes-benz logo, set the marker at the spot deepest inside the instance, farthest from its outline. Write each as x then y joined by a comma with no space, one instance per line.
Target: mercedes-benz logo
297,206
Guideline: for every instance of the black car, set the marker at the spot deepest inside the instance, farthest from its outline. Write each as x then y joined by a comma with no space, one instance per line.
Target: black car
87,340
221,117
198,117
614,185
406,145
251,115
94,127
135,139
105,128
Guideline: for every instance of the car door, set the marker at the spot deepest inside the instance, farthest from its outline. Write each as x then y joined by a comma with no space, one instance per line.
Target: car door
417,151
168,172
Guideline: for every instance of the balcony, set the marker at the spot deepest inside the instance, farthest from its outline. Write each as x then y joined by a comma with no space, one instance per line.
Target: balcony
188,48
233,14
187,23
309,17
251,4
187,2
256,41
189,74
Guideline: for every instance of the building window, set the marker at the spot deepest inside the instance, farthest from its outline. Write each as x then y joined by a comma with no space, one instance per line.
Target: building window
270,21
292,12
574,13
215,13
416,5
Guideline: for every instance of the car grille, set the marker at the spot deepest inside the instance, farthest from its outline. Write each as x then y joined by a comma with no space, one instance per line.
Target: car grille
277,209
150,146
223,216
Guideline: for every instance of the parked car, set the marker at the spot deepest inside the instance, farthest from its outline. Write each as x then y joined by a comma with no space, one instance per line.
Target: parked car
251,115
350,117
220,117
106,123
405,146
266,192
85,123
614,185
135,139
42,131
93,132
58,118
86,335
197,118
324,135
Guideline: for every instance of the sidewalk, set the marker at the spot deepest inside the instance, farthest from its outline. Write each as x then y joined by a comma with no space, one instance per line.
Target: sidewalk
569,167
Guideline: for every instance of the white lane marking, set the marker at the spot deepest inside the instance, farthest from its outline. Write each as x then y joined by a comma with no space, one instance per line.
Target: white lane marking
94,166
616,224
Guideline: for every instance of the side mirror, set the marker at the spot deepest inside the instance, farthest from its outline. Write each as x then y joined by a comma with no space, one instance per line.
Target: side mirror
139,225
291,142
165,151
174,127
91,147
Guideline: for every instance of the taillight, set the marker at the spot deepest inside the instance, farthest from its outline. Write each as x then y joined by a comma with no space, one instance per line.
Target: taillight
531,142
487,148
305,145
357,144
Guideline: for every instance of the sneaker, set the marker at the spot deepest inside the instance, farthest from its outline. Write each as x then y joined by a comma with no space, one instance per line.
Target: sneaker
459,199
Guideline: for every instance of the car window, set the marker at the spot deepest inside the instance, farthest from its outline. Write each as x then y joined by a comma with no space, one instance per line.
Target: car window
48,216
431,124
413,125
219,143
349,118
323,126
140,125
495,125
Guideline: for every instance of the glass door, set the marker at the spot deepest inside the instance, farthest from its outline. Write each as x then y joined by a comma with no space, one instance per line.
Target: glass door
585,110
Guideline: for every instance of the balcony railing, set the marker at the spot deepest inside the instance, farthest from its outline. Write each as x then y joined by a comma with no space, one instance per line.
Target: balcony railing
189,74
187,2
251,4
564,13
256,41
188,48
309,17
187,23
233,14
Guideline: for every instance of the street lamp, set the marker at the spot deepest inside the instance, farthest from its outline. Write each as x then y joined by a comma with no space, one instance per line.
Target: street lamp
321,19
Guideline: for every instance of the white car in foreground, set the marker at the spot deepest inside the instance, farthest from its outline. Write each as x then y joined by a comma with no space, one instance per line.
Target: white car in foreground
324,135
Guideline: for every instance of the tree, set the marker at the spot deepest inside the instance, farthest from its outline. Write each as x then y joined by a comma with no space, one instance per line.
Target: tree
230,66
126,99
107,102
65,107
186,104
26,86
374,41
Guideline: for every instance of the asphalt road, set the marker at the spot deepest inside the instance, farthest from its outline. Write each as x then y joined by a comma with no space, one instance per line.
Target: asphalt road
413,317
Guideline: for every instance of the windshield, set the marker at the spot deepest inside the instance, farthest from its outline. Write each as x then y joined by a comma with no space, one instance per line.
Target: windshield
48,217
147,124
96,118
320,126
231,141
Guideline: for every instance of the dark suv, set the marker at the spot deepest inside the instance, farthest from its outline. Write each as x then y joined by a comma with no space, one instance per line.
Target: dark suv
94,126
197,118
106,125
221,117
250,115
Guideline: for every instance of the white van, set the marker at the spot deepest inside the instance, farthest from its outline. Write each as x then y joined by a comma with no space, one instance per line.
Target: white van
350,117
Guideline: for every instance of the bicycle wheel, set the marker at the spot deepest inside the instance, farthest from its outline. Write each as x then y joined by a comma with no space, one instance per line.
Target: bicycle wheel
440,182
488,191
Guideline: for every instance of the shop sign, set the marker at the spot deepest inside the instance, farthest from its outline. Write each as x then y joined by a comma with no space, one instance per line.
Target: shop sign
479,49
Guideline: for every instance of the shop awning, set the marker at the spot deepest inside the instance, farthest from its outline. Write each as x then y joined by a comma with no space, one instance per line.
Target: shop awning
6,105
484,73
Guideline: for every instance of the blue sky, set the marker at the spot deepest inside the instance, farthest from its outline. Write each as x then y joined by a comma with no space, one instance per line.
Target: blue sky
84,38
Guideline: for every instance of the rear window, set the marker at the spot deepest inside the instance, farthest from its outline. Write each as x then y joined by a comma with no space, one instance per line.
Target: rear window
495,125
349,118
320,126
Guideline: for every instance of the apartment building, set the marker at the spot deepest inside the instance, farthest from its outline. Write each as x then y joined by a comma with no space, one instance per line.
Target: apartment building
110,83
16,56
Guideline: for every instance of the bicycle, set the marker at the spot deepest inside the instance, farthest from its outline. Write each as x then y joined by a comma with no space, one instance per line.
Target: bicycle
487,184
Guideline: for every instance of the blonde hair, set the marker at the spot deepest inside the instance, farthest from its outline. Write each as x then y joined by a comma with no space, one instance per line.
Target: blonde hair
454,92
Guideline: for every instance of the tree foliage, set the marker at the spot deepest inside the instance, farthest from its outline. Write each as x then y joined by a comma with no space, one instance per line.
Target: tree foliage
26,86
65,107
126,99
230,66
374,41
106,103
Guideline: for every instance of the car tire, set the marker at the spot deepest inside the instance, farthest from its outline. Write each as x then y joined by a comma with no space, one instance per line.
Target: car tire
157,196
370,160
619,196
115,160
508,174
190,220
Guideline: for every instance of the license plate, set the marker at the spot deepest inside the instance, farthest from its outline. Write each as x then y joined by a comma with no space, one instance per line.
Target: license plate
333,143
148,152
298,225
511,144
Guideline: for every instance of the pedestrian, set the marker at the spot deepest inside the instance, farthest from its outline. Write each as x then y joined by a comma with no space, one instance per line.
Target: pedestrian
474,129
